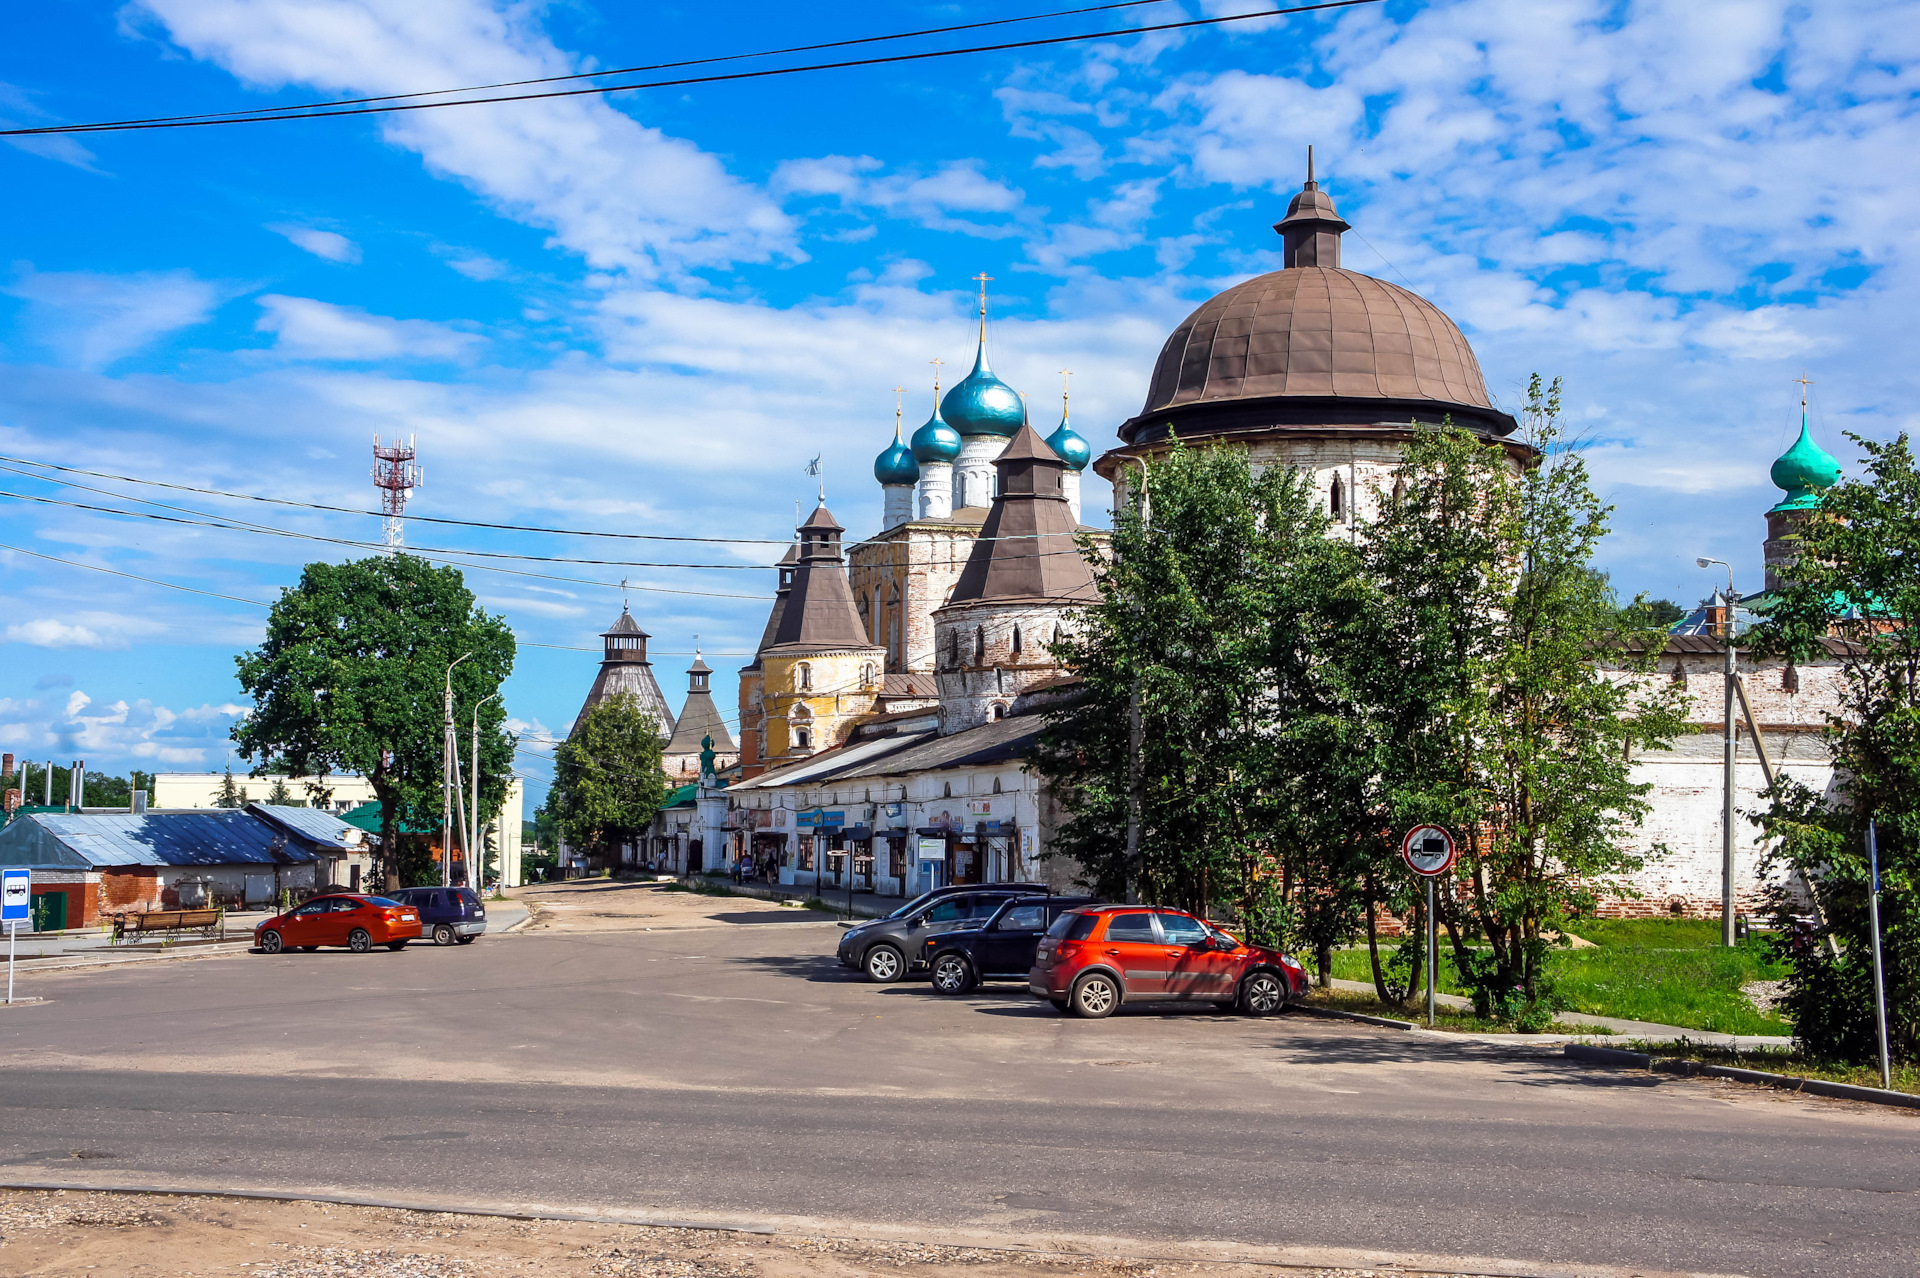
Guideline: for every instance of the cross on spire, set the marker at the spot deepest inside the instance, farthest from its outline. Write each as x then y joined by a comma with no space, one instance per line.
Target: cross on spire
899,394
983,279
1066,386
1805,382
623,594
936,381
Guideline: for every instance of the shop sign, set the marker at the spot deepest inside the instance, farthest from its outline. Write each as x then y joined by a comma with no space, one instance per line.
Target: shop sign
933,849
979,807
895,809
806,819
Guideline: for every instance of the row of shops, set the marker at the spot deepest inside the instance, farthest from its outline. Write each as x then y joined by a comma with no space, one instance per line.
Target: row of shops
821,850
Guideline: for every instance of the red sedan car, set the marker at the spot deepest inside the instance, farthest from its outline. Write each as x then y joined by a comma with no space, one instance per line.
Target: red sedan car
1093,960
355,921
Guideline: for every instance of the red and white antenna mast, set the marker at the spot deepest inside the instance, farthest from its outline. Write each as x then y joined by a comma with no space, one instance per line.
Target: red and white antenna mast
396,474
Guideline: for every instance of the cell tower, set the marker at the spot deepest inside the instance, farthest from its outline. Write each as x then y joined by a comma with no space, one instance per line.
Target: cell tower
396,474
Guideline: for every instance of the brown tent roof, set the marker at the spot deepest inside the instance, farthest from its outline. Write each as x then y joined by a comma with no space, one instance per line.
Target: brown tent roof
820,611
1026,549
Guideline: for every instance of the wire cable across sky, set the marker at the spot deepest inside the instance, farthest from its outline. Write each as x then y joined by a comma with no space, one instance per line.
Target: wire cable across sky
267,115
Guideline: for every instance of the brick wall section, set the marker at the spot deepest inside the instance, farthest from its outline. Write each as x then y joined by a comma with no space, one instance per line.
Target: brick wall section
972,683
912,568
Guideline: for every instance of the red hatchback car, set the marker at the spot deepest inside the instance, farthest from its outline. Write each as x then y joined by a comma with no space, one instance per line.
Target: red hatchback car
1092,960
357,922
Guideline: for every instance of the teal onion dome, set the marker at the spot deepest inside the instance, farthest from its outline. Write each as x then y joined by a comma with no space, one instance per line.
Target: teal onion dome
982,404
935,441
1073,450
896,465
1803,471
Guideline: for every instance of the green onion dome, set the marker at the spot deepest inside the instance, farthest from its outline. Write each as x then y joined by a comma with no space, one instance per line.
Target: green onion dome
935,441
982,404
1803,471
1073,450
896,465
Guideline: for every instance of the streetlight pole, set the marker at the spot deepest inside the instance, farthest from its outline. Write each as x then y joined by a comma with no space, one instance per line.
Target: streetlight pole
447,765
476,871
1729,747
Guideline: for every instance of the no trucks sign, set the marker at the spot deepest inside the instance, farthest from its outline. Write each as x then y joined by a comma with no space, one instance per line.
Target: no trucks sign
1428,851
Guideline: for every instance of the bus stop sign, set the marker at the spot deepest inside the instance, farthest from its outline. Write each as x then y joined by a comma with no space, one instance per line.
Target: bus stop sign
16,897
1428,851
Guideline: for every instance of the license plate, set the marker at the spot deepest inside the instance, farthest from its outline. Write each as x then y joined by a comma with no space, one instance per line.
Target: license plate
406,918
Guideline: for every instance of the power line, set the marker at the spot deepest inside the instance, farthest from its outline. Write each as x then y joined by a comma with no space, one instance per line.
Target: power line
375,514
349,510
266,115
151,581
634,70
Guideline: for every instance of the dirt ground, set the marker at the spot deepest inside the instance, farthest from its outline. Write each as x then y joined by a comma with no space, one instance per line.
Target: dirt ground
608,905
68,1233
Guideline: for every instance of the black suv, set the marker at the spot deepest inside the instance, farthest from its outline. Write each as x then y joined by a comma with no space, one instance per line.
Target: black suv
1000,947
884,948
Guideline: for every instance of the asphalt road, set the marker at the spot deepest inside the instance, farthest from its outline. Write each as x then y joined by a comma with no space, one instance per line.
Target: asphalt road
735,1068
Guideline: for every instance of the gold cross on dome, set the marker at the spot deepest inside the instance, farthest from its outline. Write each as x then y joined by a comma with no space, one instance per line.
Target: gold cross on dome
936,380
899,393
983,279
1805,382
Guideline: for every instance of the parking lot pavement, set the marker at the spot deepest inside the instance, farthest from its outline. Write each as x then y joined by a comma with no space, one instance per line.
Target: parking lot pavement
728,1065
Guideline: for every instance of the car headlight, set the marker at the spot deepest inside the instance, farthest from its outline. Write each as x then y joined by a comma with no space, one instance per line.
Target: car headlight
1289,961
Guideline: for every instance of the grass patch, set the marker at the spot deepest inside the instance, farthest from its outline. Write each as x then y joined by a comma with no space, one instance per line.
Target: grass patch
1461,1020
1665,971
1906,1077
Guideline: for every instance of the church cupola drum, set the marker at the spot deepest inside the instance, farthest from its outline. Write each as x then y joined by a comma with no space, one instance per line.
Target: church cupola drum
1315,366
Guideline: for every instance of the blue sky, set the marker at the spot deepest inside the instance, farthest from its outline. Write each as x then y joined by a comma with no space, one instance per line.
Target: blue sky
645,313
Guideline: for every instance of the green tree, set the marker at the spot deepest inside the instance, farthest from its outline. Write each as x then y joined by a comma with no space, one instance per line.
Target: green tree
232,794
608,779
1509,695
350,679
280,796
1857,578
1195,769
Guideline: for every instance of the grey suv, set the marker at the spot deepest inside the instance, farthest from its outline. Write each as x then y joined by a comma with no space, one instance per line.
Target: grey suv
886,949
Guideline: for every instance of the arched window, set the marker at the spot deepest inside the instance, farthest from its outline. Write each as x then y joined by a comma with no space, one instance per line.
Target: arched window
946,791
803,738
1790,678
979,645
1335,500
996,785
1016,641
803,675
953,649
866,673
999,712
1058,633
1399,491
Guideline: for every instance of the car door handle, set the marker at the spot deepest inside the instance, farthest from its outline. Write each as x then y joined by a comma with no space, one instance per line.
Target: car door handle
1114,952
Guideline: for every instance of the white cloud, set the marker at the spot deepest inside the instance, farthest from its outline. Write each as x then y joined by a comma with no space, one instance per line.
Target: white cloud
931,199
330,245
95,319
623,196
46,632
309,329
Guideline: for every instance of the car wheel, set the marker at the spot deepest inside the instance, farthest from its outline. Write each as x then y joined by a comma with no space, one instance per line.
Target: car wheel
396,946
467,940
952,974
885,965
1262,994
271,942
360,941
1094,996
443,934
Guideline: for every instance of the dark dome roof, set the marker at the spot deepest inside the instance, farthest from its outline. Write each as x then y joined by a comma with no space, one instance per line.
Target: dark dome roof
1314,344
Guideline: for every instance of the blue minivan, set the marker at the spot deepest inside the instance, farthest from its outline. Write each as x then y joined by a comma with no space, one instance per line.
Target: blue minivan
447,915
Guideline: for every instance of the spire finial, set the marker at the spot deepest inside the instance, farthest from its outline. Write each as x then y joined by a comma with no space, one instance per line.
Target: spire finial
936,382
623,596
1309,165
899,393
1805,382
1066,386
983,279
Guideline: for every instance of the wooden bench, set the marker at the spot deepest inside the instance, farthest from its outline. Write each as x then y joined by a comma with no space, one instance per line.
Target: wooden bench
169,921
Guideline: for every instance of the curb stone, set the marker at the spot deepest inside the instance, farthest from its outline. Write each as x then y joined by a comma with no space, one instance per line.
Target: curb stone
1335,1013
1668,1065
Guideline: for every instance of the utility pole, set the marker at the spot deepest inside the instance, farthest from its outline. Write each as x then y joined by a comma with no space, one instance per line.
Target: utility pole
1729,748
476,872
449,761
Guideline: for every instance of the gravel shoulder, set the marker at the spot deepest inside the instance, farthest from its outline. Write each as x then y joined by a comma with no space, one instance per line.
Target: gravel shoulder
60,1233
